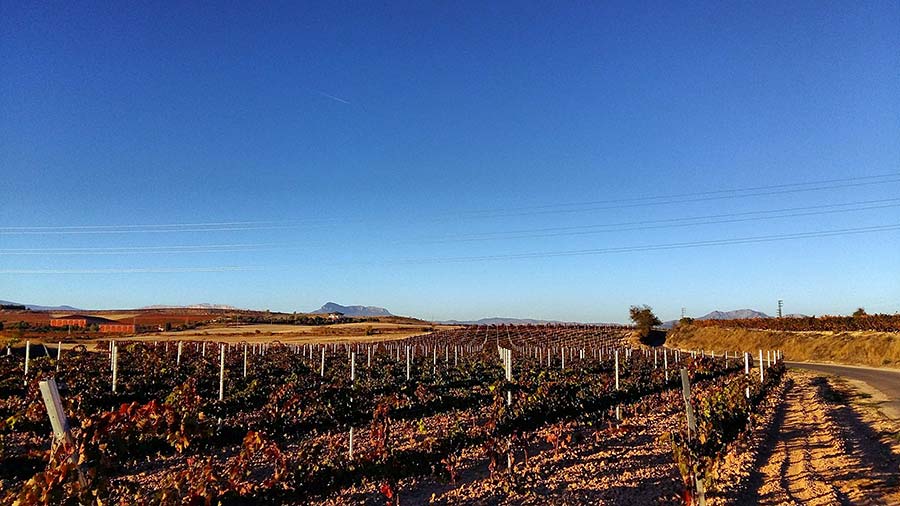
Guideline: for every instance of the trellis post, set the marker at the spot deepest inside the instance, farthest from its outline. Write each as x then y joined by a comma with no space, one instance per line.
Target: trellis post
221,372
692,429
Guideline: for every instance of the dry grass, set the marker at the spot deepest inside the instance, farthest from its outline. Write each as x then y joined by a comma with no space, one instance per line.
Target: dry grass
874,349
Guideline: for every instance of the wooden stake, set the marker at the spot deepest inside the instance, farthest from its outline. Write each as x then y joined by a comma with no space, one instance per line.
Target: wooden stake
692,429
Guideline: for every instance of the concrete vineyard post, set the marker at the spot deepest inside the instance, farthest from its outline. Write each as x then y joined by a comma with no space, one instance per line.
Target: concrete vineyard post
654,359
760,367
352,366
27,359
617,369
245,360
747,370
58,420
666,363
351,443
55,411
407,363
221,372
58,354
322,367
178,357
115,365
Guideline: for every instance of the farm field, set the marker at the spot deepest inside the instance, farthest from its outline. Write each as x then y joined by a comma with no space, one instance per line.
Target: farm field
475,415
362,331
215,325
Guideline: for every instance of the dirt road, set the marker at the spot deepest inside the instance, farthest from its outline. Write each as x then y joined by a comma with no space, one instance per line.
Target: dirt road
886,381
819,452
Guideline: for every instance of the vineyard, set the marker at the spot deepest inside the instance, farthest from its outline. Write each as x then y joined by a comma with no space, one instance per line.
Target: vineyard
869,322
207,423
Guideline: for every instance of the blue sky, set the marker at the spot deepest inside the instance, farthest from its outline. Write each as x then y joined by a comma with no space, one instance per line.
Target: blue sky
377,154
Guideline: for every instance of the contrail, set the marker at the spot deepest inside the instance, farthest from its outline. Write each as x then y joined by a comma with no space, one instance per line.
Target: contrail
332,97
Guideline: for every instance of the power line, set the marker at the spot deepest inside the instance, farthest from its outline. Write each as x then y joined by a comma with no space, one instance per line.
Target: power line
569,207
716,192
515,256
658,247
537,233
555,208
671,222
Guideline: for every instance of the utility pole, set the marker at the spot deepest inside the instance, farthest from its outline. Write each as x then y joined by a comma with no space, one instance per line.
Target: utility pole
780,305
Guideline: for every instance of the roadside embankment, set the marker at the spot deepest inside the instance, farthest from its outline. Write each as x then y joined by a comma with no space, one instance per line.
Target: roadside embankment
873,349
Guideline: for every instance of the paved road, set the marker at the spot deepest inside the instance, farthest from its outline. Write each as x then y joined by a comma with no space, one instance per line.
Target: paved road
887,381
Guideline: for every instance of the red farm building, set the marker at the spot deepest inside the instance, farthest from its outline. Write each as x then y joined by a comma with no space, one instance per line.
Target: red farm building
82,321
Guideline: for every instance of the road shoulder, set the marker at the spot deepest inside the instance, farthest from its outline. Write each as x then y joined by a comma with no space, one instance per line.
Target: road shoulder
823,448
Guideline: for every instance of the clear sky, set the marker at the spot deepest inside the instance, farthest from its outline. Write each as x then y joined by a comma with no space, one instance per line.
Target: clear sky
452,159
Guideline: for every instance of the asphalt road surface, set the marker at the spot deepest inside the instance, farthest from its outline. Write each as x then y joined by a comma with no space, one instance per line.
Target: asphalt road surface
887,381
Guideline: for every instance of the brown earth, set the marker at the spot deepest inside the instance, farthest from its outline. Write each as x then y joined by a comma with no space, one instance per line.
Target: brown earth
815,442
357,332
602,464
820,451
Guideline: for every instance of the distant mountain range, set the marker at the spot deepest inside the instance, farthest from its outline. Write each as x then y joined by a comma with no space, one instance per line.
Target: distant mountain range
35,307
353,311
204,305
724,315
734,315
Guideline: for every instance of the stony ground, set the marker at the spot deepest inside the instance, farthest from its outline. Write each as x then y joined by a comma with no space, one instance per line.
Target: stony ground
821,451
811,446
